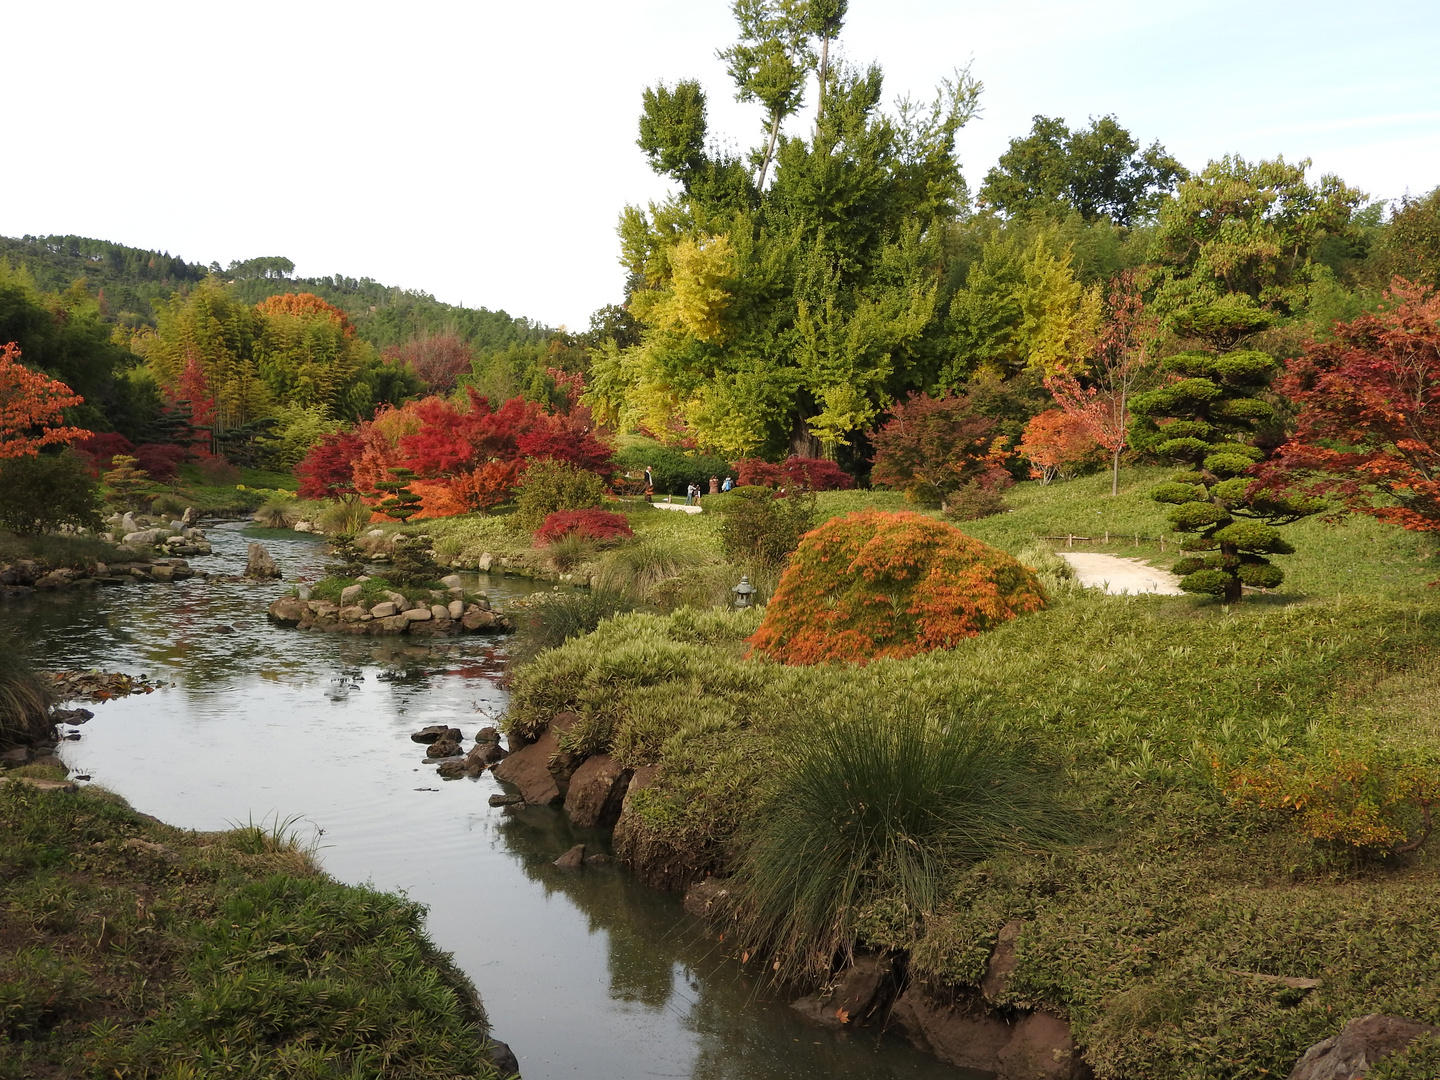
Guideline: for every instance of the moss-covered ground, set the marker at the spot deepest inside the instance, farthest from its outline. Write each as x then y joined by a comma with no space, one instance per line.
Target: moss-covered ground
132,949
1162,933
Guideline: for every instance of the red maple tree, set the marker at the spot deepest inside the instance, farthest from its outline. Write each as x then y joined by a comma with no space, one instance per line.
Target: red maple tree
1056,441
1368,433
31,407
1118,360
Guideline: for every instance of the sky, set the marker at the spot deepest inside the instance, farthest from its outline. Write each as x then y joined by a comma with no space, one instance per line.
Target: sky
482,152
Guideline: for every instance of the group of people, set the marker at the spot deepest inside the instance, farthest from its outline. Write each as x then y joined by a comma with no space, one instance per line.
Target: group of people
692,491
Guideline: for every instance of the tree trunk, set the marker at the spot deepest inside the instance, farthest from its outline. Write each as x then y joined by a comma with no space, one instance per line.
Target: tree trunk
824,70
1115,473
769,152
1230,556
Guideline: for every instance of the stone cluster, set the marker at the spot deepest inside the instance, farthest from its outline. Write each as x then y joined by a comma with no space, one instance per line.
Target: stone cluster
442,611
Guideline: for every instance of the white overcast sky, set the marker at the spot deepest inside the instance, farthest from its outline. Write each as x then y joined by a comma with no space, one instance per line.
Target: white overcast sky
482,151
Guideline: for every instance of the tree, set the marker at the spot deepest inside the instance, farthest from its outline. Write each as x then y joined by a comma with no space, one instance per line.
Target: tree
438,359
400,503
327,471
43,492
1207,418
1411,244
1096,172
1056,442
1368,433
1246,235
31,407
931,447
1119,361
128,483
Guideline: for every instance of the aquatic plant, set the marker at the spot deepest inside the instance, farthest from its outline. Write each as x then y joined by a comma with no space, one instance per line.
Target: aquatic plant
24,696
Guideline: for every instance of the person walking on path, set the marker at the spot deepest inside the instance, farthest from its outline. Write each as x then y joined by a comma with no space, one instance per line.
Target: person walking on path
649,485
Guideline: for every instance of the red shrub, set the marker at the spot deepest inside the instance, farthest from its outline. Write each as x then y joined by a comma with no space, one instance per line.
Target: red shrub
794,474
873,584
592,524
160,460
328,469
99,448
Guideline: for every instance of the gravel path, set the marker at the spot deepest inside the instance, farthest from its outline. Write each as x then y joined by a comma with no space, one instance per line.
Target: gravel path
1117,576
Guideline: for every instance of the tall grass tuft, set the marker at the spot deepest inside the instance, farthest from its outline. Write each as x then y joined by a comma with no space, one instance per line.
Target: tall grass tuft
569,551
869,819
24,697
634,570
277,513
552,619
345,515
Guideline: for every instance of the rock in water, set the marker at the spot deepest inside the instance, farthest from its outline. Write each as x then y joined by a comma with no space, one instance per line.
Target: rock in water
1361,1043
259,565
502,1057
573,859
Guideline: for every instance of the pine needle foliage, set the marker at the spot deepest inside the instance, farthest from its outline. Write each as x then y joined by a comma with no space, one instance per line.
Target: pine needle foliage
878,815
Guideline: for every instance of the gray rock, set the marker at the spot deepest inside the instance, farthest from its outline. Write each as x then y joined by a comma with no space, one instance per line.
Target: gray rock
439,611
128,524
443,747
1361,1043
189,516
596,793
452,581
487,734
148,537
18,756
485,562
303,527
383,611
500,798
398,599
353,613
351,594
259,565
418,614
303,592
455,609
177,527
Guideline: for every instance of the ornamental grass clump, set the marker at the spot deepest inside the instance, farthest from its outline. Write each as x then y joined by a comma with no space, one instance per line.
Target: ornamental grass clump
24,698
870,817
873,584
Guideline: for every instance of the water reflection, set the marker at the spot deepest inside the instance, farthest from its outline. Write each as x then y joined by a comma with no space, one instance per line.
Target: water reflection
585,974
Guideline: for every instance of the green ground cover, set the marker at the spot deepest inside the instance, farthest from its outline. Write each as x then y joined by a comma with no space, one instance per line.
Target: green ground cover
1156,931
132,949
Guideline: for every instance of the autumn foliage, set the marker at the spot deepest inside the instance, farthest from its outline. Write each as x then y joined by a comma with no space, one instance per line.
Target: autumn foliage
439,359
30,408
1368,433
931,447
794,474
591,524
305,305
464,457
1056,443
873,584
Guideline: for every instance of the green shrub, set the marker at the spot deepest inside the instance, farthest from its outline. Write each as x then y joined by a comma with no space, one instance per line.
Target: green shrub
766,530
45,492
551,619
635,570
349,514
970,502
876,812
24,697
277,512
548,486
168,505
570,551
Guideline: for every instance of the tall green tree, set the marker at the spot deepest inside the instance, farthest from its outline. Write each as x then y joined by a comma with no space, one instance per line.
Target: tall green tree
1096,172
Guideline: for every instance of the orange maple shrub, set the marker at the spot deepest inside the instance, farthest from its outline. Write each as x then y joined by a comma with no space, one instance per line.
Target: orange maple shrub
31,408
873,584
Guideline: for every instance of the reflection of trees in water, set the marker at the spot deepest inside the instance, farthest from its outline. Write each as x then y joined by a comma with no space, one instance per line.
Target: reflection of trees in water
660,958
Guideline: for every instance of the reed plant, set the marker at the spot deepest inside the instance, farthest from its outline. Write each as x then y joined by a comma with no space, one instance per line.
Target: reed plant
635,570
570,551
872,815
25,697
551,619
345,515
278,512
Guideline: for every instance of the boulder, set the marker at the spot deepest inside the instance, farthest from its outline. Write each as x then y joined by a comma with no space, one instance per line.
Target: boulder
189,516
487,734
487,753
56,579
475,619
971,1040
455,608
417,614
573,859
18,756
597,791
1041,1048
430,734
501,1057
1361,1043
383,611
500,798
353,613
452,581
149,537
484,563
529,770
289,610
443,748
351,594
858,994
398,599
259,565
1002,962
706,898
303,527
128,524
439,611
162,572
396,624
452,767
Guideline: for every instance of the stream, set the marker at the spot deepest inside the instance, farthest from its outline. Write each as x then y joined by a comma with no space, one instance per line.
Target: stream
584,974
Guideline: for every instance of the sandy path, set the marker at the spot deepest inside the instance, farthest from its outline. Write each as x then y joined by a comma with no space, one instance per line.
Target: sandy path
1116,575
